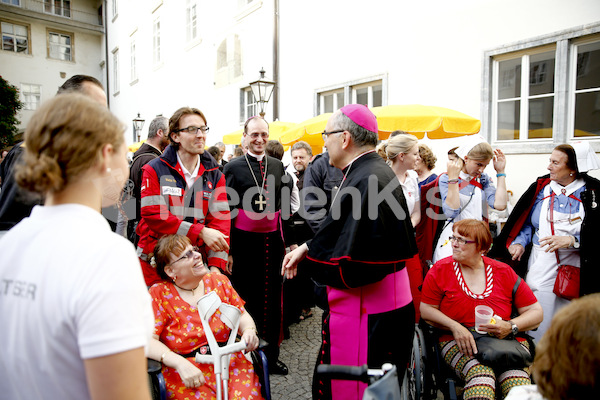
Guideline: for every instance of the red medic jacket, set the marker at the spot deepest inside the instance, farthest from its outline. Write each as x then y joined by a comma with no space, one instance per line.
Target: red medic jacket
169,206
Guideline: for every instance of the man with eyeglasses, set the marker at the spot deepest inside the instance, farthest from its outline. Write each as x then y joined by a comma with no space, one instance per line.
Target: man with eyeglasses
257,241
360,252
183,192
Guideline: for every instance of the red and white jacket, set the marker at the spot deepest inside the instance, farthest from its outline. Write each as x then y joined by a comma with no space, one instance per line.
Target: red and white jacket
169,206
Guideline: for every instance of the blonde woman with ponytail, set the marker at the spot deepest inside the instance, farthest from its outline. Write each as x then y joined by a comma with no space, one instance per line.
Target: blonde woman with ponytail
402,152
76,314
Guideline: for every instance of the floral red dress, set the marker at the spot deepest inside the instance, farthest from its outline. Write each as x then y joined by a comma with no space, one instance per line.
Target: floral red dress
178,325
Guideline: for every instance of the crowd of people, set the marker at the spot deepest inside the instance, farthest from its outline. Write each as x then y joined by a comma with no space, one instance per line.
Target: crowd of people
352,230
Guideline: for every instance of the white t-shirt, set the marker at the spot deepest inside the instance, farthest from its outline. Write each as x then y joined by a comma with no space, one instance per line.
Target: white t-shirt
411,191
70,289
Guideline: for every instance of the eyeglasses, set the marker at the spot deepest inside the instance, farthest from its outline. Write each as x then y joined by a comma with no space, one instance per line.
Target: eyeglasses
194,129
460,240
325,133
256,135
187,256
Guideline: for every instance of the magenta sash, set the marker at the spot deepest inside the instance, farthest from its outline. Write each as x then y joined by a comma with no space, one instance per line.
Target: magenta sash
257,222
348,323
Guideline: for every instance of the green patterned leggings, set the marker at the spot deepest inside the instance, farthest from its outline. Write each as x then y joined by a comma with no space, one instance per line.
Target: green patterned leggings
480,380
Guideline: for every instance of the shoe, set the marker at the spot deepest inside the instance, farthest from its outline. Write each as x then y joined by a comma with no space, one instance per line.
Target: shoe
278,368
306,314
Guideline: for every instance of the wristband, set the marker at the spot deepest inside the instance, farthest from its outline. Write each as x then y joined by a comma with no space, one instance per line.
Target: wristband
453,181
499,175
162,357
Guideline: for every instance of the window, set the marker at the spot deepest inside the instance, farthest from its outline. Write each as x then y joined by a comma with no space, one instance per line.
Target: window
229,61
116,83
134,72
156,42
525,111
543,91
332,101
248,106
60,46
586,93
58,7
32,96
12,2
15,38
368,92
191,20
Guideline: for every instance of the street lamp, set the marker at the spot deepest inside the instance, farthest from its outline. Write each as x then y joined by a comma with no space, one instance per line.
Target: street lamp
138,125
262,89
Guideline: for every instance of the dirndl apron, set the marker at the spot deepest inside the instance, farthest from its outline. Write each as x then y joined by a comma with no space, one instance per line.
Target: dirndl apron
542,267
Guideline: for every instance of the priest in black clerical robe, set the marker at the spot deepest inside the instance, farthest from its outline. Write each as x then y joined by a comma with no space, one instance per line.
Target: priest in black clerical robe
360,252
260,231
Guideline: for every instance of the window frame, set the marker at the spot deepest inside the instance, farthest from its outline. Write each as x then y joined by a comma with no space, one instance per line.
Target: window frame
350,92
133,70
244,105
25,93
49,32
10,3
26,26
52,5
191,24
564,107
156,51
115,69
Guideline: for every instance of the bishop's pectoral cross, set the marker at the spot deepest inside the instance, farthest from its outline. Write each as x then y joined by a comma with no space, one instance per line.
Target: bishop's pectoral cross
260,202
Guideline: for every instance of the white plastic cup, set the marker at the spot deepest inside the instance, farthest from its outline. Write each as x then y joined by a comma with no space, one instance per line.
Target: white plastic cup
483,316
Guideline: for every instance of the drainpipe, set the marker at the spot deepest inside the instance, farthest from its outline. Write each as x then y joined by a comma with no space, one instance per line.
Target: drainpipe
276,60
106,62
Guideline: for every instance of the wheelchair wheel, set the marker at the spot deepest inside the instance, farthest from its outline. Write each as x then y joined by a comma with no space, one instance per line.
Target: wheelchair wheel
414,380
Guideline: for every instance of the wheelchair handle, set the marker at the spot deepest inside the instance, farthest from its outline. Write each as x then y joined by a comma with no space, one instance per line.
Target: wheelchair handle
352,373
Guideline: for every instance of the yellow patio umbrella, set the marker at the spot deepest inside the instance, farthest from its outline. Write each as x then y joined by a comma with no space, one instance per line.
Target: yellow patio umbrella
308,131
135,146
276,129
436,122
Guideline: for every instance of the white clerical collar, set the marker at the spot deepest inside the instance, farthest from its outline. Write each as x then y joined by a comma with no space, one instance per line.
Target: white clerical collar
357,157
567,190
258,158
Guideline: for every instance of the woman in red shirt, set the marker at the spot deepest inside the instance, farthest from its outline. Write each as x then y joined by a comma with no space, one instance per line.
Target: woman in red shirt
455,286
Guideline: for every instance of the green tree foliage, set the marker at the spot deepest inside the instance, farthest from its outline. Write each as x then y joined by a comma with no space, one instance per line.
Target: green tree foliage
9,107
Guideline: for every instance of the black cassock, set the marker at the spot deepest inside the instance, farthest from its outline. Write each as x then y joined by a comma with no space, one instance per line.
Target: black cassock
257,240
360,252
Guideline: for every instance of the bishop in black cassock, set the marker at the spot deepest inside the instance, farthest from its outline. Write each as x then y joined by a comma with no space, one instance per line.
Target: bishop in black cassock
360,252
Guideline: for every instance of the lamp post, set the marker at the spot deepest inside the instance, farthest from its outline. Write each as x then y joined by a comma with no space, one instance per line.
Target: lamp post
138,125
262,89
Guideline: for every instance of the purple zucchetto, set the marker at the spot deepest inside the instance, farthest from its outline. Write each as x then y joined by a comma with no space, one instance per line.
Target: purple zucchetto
361,115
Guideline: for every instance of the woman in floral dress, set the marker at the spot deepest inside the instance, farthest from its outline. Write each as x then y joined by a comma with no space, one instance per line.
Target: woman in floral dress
178,332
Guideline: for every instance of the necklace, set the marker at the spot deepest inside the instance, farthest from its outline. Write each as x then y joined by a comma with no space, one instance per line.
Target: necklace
260,202
188,290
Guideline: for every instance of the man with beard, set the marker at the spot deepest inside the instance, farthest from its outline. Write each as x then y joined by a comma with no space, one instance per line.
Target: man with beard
298,294
183,192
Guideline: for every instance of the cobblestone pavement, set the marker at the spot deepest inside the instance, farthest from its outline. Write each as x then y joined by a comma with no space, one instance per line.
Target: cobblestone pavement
299,353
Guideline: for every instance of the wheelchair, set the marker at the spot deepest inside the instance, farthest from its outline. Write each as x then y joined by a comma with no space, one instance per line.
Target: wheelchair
427,373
